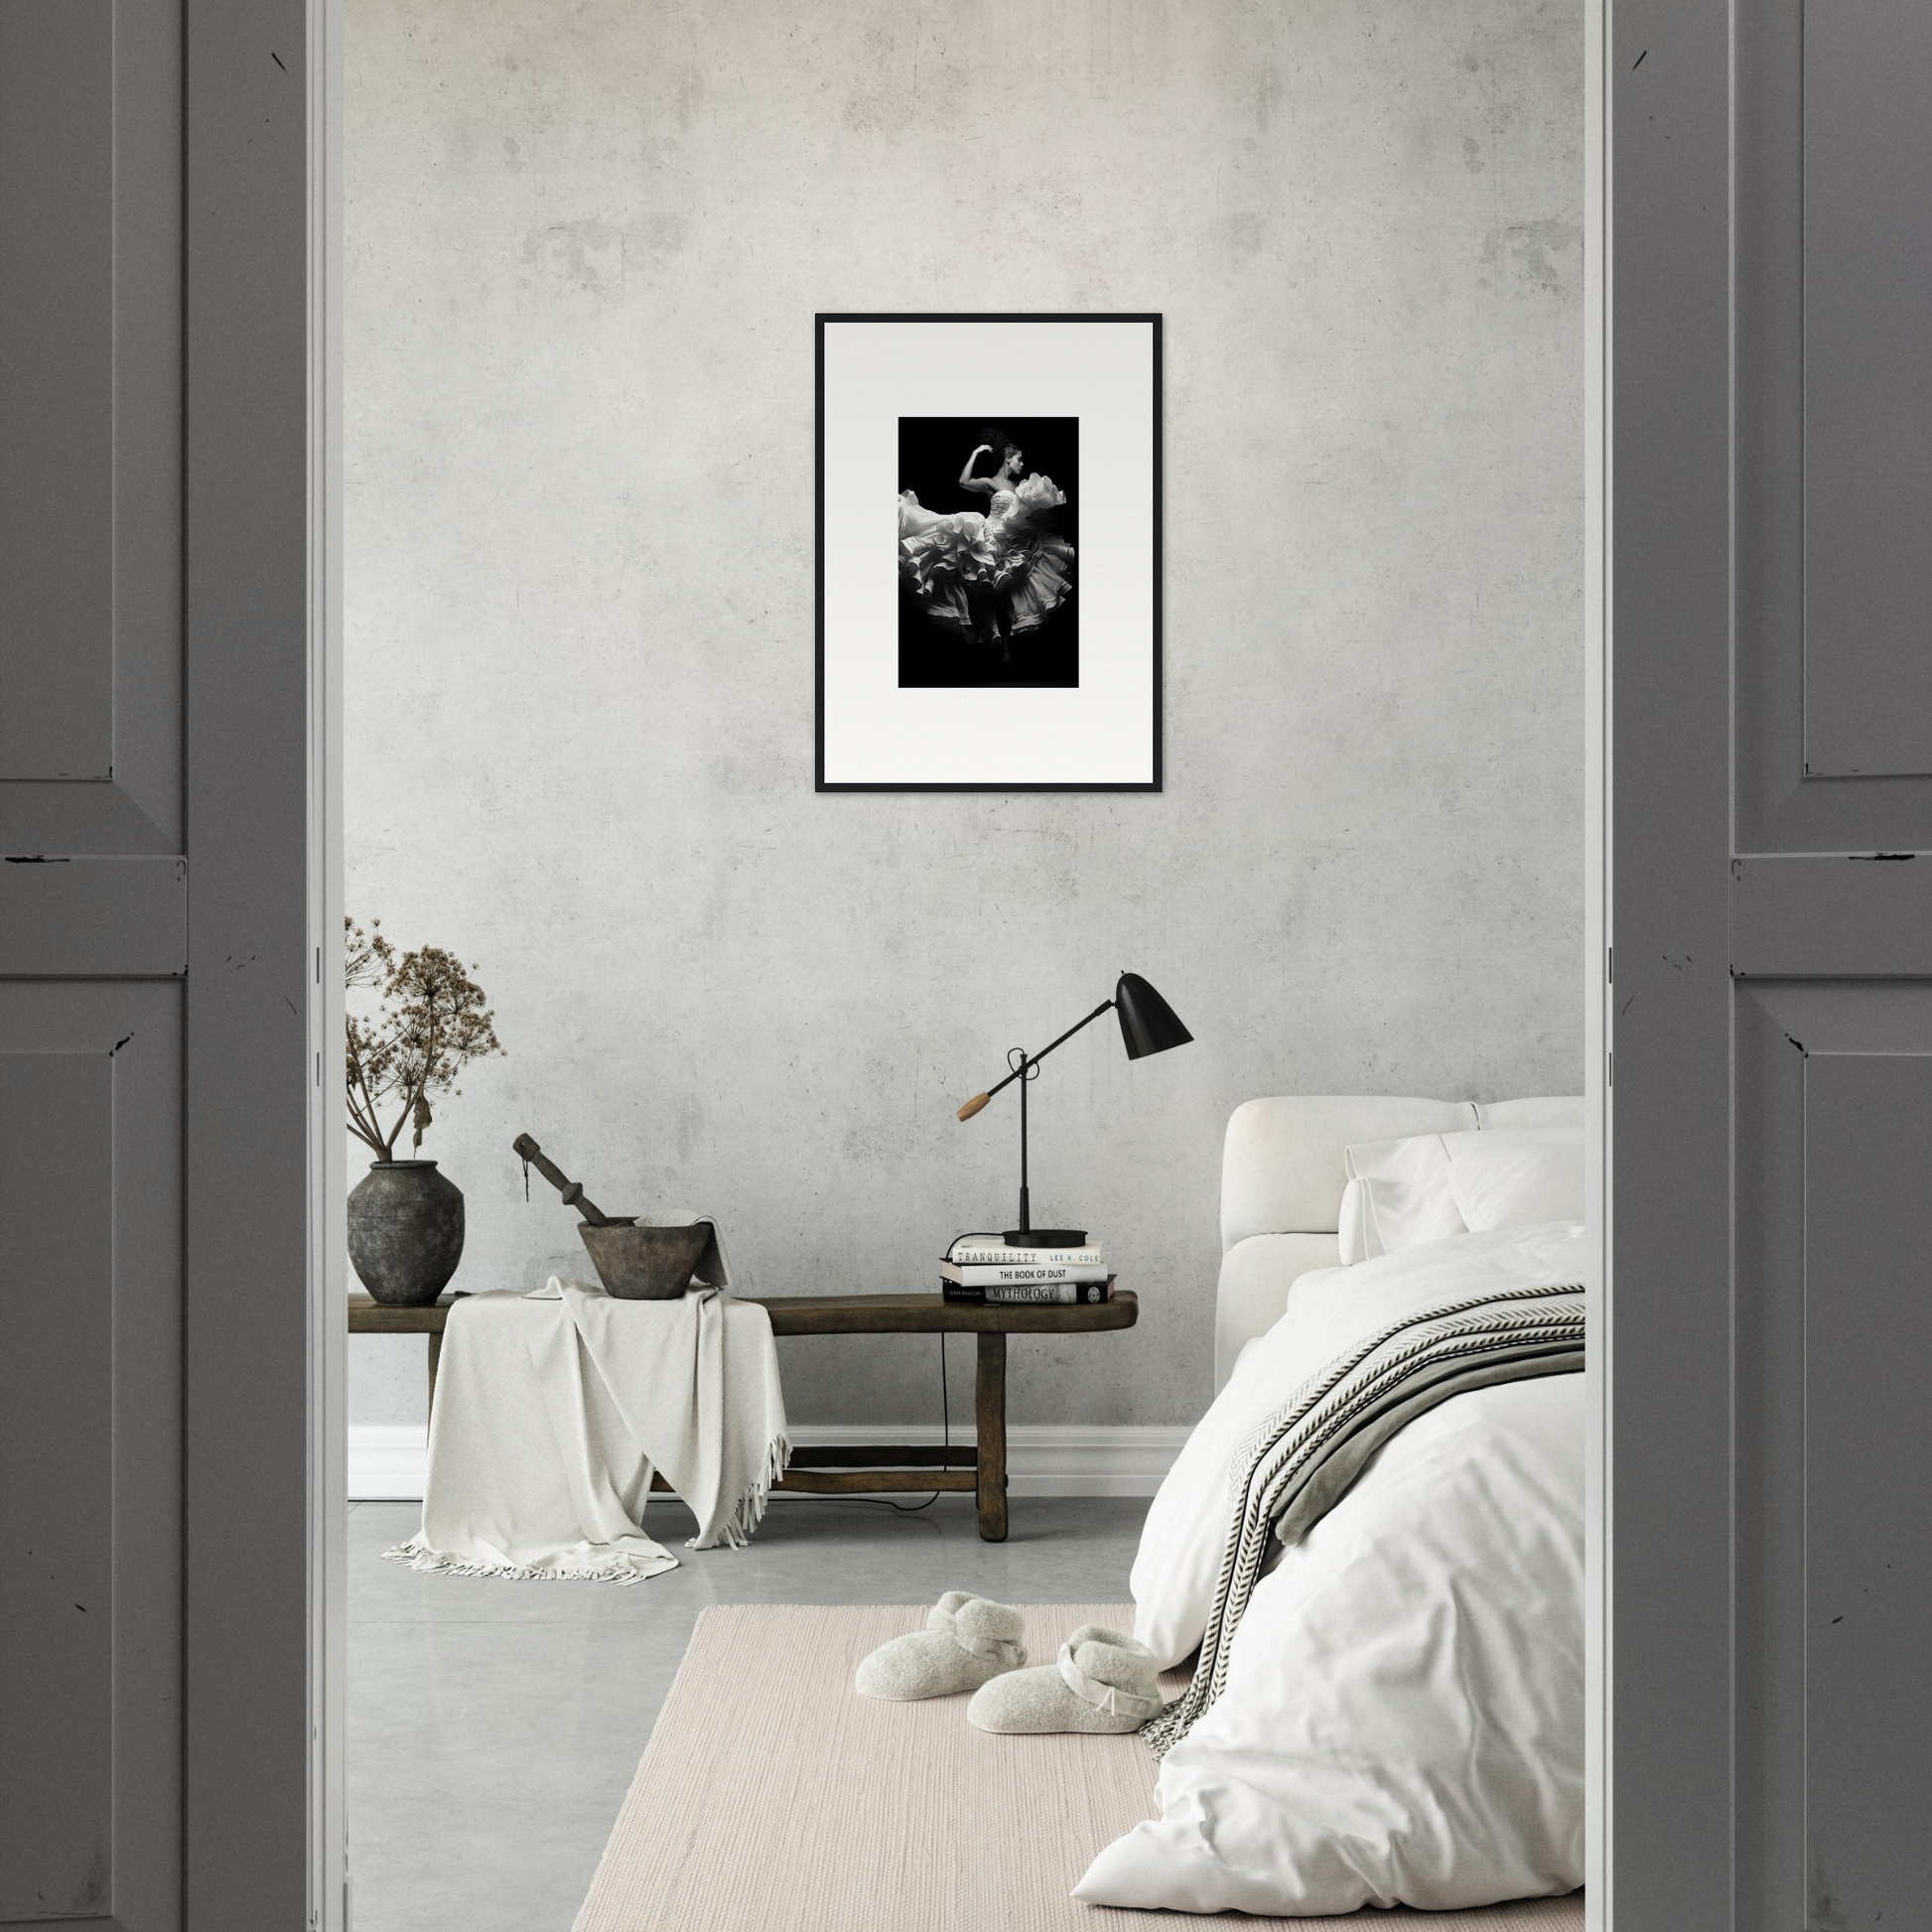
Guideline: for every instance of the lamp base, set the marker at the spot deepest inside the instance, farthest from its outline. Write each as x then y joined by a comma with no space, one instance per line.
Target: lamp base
1044,1237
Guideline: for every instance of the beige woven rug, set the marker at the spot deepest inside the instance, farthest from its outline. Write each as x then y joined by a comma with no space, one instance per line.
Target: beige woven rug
775,1797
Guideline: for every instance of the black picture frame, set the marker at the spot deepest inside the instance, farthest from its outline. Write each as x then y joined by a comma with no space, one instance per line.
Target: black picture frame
1152,321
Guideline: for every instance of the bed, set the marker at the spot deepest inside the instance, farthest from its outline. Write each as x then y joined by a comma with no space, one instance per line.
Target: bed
1372,1542
1283,1175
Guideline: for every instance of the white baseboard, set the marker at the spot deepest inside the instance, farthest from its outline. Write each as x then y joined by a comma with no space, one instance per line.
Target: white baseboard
386,1461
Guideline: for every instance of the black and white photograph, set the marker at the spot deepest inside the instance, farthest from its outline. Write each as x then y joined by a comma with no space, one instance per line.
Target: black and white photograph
988,504
988,558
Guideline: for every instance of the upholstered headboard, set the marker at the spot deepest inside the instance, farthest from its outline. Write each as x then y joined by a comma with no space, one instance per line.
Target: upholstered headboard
1282,1181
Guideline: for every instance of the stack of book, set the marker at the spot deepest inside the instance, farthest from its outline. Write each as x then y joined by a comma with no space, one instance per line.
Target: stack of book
983,1268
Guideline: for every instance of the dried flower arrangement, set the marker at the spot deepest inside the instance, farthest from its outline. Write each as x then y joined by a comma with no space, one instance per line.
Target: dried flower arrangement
430,1020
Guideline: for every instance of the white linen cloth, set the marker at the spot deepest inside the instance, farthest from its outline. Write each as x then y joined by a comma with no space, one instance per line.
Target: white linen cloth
554,1407
1402,1716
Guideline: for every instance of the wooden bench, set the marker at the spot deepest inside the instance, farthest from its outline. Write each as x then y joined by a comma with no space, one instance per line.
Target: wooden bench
835,1471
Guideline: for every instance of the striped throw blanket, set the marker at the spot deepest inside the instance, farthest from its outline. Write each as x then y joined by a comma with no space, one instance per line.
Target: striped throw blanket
1299,1461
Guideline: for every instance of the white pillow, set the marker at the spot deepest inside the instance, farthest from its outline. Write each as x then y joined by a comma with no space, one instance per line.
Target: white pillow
1514,1177
1353,1232
1429,1187
1403,1196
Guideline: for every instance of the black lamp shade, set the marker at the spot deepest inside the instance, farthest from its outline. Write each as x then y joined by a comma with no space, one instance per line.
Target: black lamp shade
1148,1024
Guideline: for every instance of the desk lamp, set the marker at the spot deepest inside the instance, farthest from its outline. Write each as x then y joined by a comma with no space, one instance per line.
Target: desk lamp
1148,1024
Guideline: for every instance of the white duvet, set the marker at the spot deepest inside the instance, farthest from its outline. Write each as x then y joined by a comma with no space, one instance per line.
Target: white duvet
1403,1721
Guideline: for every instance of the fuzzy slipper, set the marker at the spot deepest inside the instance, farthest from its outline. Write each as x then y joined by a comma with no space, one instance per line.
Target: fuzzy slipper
967,1641
1103,1681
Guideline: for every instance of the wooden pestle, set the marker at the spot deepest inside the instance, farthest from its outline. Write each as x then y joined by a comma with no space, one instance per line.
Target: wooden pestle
571,1191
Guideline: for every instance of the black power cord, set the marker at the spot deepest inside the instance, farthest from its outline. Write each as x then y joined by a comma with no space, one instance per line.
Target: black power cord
945,1438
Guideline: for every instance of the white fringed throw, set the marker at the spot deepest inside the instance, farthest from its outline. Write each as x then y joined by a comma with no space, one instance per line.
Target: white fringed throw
553,1409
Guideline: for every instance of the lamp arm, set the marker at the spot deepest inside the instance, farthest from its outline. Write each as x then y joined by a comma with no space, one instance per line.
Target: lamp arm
979,1100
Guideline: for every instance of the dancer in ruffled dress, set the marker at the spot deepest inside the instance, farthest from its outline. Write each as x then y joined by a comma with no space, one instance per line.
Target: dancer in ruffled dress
995,577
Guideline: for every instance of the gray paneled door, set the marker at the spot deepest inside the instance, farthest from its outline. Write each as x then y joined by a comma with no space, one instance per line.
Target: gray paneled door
1770,1463
93,943
157,968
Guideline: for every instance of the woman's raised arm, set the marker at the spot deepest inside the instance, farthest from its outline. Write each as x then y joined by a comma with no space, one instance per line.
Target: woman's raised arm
967,480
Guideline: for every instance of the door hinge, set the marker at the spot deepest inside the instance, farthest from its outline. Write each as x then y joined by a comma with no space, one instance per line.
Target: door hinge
1610,1069
1609,965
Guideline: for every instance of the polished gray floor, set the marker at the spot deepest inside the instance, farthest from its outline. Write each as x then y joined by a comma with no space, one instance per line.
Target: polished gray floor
495,1726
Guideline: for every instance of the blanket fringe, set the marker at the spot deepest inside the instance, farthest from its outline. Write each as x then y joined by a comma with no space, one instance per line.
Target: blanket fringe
416,1555
739,1527
735,1533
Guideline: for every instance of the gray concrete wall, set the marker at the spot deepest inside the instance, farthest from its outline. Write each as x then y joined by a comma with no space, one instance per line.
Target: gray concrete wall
584,250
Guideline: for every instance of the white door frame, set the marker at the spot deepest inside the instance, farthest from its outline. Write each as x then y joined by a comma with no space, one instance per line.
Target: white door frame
328,1865
1599,1865
328,1596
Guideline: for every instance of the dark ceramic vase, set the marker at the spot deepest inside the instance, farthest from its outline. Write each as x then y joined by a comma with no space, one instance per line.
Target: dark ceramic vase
405,1231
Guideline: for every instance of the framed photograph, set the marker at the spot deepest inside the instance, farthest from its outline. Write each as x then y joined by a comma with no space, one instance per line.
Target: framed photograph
989,553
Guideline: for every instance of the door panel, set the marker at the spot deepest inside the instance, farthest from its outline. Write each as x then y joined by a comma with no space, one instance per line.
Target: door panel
57,345
1868,388
1769,1392
1830,954
90,427
260,503
1815,648
90,1312
111,918
166,267
1667,1343
1868,1512
57,1506
1843,917
94,950
1771,913
1834,1556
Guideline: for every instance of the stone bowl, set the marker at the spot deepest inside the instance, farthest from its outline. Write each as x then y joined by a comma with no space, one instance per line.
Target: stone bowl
645,1264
